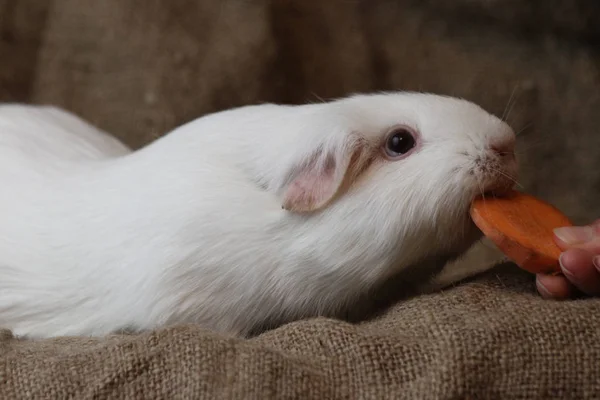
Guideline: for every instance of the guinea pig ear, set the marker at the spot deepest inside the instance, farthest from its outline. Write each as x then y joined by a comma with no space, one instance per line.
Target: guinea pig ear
315,183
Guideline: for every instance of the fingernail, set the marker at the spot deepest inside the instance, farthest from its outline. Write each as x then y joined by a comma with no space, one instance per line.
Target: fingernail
564,269
575,234
542,289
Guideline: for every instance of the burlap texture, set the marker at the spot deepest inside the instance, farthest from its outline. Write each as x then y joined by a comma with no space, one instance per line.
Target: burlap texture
140,67
489,338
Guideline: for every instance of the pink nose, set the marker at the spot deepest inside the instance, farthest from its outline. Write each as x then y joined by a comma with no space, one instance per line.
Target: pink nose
504,148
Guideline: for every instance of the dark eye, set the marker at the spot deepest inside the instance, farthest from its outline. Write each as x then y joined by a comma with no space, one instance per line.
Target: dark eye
399,142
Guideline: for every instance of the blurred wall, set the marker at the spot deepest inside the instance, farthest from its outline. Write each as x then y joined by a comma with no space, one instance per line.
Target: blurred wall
138,68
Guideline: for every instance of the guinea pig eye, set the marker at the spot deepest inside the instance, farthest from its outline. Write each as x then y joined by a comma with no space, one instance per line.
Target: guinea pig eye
399,142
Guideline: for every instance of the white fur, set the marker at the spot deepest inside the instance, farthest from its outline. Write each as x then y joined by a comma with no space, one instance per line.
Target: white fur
190,229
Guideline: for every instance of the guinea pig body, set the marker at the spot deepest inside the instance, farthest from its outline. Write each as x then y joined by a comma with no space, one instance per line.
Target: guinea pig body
239,218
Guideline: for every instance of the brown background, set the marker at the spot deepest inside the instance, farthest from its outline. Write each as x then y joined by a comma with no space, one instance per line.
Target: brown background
138,68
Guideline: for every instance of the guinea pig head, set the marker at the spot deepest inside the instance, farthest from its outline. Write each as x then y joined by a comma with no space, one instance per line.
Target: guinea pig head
404,167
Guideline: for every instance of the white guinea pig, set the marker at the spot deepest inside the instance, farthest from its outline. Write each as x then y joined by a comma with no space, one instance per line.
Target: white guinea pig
244,218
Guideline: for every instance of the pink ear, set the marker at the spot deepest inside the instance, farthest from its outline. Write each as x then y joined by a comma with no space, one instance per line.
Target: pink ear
317,182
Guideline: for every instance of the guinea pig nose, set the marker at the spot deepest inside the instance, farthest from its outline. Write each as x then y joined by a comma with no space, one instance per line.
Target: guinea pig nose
503,148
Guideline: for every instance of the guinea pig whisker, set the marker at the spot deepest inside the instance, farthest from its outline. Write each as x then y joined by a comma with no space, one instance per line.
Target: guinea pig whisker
481,189
511,108
318,97
520,131
508,107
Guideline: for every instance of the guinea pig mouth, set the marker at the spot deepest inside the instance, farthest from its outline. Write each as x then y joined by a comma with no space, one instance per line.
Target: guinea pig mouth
500,188
499,184
498,192
496,174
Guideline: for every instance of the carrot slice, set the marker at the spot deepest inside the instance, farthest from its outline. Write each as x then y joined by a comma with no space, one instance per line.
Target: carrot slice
521,226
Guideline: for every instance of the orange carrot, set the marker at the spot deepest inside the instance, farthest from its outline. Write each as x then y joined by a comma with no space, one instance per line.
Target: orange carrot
521,226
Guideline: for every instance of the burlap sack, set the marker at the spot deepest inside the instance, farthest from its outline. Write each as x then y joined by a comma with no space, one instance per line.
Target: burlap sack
491,338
